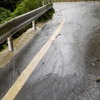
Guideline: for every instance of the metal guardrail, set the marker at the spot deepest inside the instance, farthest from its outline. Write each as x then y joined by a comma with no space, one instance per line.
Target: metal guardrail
14,25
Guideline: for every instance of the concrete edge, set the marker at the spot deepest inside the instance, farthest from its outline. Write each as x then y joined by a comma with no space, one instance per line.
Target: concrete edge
13,54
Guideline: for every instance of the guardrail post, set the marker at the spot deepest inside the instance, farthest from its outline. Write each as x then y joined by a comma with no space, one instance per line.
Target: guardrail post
10,44
33,25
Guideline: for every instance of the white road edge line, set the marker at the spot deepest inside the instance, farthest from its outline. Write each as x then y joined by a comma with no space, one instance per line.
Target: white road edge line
19,83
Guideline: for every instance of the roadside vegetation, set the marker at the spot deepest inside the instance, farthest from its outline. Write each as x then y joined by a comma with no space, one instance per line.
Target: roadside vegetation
73,0
12,8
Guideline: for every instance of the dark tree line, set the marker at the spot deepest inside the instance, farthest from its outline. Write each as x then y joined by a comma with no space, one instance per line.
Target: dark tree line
9,4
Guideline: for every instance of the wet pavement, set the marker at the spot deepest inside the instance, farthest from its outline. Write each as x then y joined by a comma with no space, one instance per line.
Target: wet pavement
71,66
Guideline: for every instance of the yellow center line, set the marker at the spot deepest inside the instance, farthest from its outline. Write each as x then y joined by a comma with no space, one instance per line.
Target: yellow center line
19,83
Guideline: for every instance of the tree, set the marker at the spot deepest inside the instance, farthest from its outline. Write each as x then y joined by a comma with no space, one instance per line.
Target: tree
4,14
9,4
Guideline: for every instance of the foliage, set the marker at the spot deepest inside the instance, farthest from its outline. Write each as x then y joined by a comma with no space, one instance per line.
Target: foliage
48,15
3,46
25,6
4,14
9,4
72,0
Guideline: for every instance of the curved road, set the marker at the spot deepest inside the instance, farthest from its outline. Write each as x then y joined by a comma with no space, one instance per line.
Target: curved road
70,67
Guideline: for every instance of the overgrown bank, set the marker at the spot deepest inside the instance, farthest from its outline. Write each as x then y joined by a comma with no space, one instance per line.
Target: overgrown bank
73,0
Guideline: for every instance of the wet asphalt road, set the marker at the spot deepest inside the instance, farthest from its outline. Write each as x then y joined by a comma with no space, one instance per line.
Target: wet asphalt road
69,69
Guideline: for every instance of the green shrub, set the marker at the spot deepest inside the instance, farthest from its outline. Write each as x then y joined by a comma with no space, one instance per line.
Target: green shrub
48,15
27,5
4,14
9,4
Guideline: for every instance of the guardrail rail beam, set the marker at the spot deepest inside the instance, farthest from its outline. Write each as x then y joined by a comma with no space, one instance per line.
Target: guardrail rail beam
14,25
